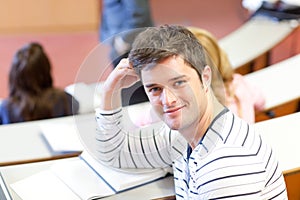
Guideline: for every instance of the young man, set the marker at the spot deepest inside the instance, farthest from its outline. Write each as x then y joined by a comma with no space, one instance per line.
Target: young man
224,157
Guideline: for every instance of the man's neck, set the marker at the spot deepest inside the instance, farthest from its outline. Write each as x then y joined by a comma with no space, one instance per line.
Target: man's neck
194,133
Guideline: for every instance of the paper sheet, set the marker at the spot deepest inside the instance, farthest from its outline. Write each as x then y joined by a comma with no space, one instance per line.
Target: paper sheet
43,185
62,137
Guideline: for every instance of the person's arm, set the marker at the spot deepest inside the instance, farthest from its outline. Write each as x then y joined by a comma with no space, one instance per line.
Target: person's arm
250,98
122,76
149,147
256,94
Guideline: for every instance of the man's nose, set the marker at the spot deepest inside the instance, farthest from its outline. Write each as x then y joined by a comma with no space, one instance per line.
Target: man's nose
168,97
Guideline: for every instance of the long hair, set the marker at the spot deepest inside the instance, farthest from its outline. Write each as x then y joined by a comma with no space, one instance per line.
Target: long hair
30,72
31,93
214,51
219,59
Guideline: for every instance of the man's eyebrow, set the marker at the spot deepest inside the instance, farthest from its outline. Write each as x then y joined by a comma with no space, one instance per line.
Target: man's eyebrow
176,78
150,85
170,80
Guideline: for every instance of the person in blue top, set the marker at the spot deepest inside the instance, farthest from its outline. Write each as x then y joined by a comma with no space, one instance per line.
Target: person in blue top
118,19
32,95
121,21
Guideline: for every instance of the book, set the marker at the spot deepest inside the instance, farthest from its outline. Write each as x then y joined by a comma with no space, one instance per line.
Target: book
122,179
61,137
4,193
43,185
83,178
68,134
87,95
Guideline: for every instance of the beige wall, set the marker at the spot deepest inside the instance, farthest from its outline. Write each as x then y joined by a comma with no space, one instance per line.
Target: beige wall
21,16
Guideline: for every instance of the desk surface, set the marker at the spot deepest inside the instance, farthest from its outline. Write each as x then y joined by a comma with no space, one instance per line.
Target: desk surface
23,142
157,189
280,83
283,134
254,38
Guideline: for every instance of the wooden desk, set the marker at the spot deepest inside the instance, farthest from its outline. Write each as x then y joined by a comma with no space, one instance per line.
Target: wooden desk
285,142
254,39
23,142
283,134
280,83
158,189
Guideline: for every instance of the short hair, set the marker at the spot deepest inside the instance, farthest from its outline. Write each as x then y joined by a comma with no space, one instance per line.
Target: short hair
156,44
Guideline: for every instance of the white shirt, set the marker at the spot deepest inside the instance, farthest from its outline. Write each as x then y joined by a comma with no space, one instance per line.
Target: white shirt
231,160
253,5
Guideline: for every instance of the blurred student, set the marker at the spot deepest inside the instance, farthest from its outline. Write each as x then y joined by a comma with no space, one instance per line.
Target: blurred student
32,95
288,6
121,21
240,97
118,20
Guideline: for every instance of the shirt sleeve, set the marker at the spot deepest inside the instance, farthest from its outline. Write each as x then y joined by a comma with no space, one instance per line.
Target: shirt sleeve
250,99
123,146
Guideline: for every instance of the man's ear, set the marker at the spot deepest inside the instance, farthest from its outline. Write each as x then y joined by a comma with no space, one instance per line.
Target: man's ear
206,76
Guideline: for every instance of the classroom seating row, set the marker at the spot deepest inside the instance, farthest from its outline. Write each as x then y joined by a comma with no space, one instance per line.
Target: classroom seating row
24,142
283,140
249,46
279,83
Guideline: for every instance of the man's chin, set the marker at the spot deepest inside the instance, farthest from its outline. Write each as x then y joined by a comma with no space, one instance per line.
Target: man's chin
173,125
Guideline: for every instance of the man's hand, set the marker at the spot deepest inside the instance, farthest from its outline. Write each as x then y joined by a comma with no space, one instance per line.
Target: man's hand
123,76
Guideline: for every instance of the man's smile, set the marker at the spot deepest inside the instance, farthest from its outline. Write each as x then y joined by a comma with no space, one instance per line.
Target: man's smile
173,109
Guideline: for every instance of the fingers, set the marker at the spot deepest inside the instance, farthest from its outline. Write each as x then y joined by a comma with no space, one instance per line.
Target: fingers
122,76
125,68
123,64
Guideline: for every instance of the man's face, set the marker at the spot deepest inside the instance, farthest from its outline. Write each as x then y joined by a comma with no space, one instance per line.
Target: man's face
175,92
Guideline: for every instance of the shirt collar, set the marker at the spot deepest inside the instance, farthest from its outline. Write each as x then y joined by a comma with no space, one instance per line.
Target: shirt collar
211,135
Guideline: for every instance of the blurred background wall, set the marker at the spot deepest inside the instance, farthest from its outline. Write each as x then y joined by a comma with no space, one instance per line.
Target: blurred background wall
68,29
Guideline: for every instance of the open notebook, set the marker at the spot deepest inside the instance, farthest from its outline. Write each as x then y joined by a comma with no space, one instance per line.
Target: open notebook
66,135
82,179
61,137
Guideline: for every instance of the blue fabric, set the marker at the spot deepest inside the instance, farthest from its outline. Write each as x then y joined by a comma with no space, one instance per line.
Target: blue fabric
122,15
125,18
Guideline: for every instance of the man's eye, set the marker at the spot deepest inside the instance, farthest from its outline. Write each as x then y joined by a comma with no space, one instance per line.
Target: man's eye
154,90
179,83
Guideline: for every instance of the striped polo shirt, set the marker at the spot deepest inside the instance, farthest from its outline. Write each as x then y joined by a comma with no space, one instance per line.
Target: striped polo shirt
230,162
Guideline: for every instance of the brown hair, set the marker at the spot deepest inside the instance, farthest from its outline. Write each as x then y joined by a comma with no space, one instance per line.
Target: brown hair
158,43
218,57
31,92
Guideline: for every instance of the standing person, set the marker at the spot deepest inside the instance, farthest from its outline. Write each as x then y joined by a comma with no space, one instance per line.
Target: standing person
225,157
118,19
31,92
121,20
